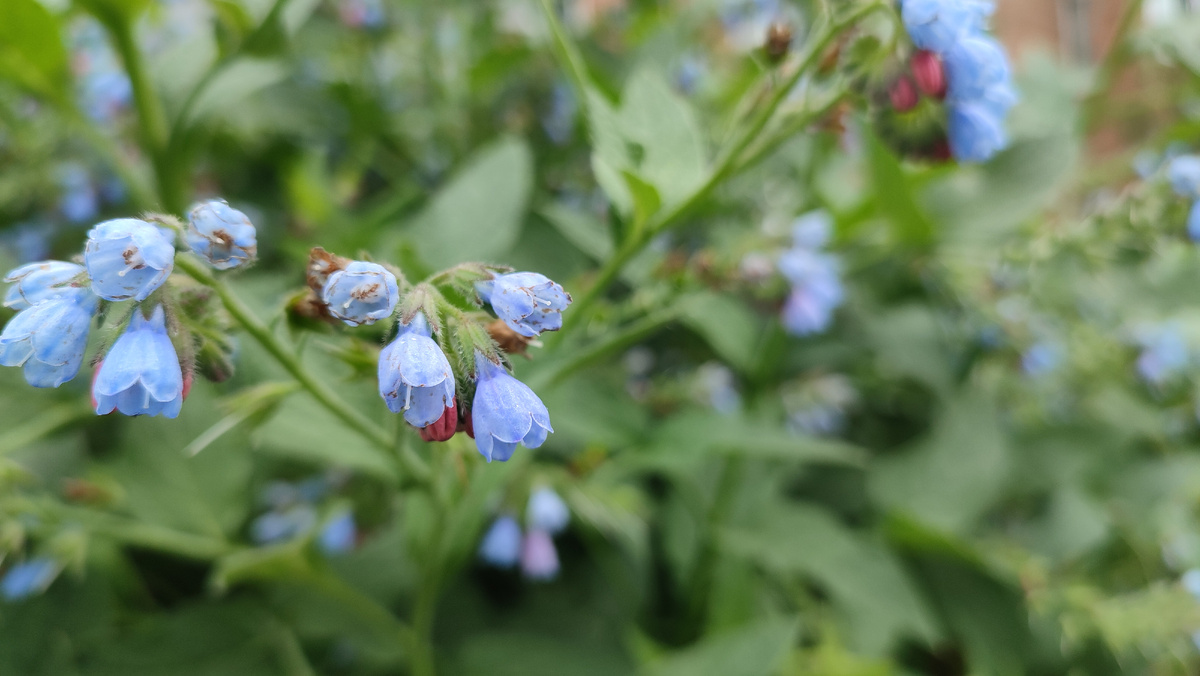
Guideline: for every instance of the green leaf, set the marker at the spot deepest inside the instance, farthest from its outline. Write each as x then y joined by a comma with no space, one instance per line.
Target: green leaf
31,49
664,126
588,233
236,83
732,329
876,599
894,194
645,198
479,213
754,650
302,430
951,477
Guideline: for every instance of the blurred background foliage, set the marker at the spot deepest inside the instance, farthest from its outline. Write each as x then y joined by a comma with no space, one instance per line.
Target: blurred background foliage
988,464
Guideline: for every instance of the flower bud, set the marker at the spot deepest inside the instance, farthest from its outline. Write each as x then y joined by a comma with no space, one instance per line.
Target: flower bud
903,95
221,234
929,74
444,427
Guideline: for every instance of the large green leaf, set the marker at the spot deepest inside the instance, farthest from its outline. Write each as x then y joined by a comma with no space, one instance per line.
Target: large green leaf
754,650
479,213
31,49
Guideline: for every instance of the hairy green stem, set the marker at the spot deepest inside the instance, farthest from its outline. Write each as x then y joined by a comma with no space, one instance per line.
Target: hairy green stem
416,468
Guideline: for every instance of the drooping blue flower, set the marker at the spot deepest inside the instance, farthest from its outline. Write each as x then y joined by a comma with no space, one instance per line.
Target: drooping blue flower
1191,582
1164,354
505,412
414,375
128,258
1193,222
35,282
501,546
559,120
280,525
339,534
528,302
140,375
716,386
812,230
975,132
29,578
546,511
221,234
1184,174
29,241
974,65
539,558
362,293
48,339
816,290
937,25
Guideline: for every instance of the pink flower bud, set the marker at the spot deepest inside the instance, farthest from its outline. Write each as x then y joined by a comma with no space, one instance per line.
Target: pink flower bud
903,94
444,427
927,70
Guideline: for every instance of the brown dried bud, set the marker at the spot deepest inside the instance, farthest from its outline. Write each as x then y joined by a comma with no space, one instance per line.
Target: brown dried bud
321,264
510,341
779,41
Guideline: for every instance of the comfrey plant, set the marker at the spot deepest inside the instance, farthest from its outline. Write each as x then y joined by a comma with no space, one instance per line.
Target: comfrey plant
504,545
473,391
127,263
814,276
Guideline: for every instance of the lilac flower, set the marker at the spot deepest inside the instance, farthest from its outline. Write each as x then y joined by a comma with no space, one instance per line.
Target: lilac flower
48,339
362,293
976,133
1184,174
39,281
140,375
414,375
339,534
505,412
128,258
501,546
221,234
29,578
546,511
528,302
539,558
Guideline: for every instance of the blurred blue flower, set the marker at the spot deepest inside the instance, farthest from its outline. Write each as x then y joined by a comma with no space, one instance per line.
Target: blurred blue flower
1184,174
501,546
414,375
975,132
975,65
283,524
812,230
29,578
1191,582
221,234
1164,354
1193,222
546,511
1041,358
937,25
35,282
49,338
559,121
79,201
28,241
140,375
339,534
816,290
528,302
539,558
505,412
103,88
363,293
690,73
128,258
1146,163
717,387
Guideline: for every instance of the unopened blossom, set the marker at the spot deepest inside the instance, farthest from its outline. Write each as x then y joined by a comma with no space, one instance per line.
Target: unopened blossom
221,235
127,259
528,302
361,293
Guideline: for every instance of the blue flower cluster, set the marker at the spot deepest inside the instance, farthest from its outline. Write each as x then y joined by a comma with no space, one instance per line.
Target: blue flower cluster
415,376
1164,353
815,276
979,81
103,88
292,512
505,546
1184,174
124,259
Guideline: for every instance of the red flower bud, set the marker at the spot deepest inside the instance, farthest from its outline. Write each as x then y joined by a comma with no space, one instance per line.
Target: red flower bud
929,73
903,94
444,427
470,425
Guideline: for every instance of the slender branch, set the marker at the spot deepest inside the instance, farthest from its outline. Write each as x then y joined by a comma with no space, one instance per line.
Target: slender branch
729,162
613,341
569,54
417,469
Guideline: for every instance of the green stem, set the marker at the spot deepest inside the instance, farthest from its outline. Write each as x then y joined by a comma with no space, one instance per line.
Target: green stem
423,616
150,536
417,470
568,54
729,162
581,358
730,480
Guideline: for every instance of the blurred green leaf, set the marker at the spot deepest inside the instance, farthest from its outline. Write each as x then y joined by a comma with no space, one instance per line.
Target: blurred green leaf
588,233
894,194
31,49
755,650
733,329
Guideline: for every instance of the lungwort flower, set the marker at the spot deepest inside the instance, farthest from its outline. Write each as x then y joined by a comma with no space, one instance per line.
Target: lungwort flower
528,302
29,578
140,375
414,375
539,558
505,412
128,258
48,339
362,293
501,546
546,511
40,281
221,234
